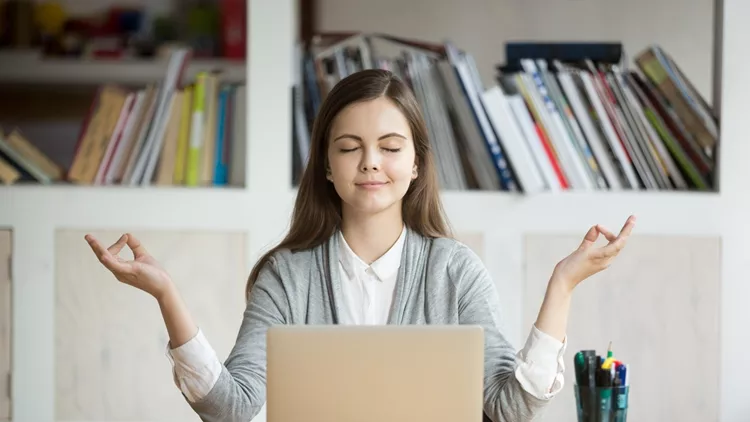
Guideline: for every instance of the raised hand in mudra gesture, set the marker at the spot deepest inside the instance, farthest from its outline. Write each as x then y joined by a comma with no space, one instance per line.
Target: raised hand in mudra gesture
586,260
589,259
143,272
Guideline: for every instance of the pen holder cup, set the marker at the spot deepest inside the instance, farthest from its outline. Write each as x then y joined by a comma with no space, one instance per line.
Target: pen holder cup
602,404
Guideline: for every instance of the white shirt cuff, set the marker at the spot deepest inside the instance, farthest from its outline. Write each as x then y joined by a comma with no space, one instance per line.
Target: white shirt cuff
541,365
195,366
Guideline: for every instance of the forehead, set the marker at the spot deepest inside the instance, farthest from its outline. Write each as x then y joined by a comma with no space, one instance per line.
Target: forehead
371,118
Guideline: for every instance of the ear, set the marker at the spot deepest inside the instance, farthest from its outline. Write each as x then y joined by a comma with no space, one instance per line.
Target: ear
414,172
329,176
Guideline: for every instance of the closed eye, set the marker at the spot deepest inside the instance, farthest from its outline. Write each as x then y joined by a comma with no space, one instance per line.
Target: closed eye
356,148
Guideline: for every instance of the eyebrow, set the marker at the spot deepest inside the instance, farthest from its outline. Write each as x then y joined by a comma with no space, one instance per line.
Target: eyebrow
358,138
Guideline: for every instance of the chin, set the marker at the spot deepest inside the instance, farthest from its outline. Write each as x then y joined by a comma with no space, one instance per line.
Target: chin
371,203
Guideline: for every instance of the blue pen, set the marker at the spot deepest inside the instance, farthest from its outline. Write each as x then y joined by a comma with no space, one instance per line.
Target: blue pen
622,374
620,405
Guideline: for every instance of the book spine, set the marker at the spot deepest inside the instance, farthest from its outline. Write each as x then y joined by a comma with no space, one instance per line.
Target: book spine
196,131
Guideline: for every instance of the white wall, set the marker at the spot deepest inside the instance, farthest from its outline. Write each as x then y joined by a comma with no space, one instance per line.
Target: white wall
684,28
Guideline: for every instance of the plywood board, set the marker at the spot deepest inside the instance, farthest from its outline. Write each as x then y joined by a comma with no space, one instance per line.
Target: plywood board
474,240
5,324
659,305
111,340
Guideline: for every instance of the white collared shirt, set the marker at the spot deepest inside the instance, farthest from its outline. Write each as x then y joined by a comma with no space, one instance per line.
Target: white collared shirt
368,295
368,289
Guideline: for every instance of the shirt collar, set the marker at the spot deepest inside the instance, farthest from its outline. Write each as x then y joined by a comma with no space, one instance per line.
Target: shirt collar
384,267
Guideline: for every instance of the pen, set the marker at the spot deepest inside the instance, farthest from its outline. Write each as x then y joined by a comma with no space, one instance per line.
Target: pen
591,368
622,374
604,395
627,374
603,377
603,384
580,367
620,398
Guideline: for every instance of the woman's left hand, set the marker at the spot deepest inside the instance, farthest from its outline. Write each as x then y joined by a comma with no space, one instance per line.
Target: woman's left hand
588,260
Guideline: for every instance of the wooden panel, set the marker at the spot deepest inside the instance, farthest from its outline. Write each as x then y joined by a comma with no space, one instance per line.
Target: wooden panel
5,323
659,305
111,341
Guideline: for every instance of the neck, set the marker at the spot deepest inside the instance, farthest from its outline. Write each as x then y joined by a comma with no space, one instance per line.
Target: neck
371,236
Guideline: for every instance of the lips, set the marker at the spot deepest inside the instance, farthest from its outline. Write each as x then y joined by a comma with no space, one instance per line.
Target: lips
371,185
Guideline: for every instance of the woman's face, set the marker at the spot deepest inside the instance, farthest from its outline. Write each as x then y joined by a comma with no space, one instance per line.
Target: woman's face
371,156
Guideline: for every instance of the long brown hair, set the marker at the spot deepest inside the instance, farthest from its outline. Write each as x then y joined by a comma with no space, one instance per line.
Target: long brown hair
317,209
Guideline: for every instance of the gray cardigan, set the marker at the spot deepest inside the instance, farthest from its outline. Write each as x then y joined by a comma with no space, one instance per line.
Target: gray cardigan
440,281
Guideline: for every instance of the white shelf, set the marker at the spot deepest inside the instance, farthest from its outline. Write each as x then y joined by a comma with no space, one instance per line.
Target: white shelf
662,212
133,208
226,208
32,68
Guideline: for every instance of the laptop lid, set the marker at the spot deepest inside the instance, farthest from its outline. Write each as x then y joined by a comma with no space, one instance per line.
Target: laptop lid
392,373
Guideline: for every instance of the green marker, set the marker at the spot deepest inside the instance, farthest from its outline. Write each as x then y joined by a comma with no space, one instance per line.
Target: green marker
604,409
580,367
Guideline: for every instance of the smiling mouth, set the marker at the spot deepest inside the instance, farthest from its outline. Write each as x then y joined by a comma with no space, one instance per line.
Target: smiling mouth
371,185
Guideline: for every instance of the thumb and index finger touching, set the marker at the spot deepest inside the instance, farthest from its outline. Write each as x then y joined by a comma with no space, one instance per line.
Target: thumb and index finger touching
613,239
616,242
108,256
136,246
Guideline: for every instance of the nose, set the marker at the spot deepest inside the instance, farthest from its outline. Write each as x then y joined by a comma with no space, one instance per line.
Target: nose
370,160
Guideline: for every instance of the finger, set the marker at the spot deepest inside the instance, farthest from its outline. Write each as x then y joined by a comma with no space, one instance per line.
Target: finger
97,247
106,258
622,238
610,250
615,245
607,234
613,248
116,266
117,246
627,227
135,245
590,237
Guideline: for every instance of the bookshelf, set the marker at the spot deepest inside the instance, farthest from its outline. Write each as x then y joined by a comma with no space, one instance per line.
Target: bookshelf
555,117
35,214
31,68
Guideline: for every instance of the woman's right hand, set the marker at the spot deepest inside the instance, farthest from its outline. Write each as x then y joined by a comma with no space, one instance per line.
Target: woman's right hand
143,272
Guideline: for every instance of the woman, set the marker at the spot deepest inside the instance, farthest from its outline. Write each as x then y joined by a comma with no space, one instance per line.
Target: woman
368,244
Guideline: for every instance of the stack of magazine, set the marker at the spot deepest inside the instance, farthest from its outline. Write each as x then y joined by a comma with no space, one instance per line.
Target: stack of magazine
561,116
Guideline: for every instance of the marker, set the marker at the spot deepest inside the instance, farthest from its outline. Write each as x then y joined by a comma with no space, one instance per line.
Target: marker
620,398
622,374
591,367
604,377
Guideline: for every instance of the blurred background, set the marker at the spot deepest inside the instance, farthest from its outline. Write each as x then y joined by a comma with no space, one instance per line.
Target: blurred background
187,122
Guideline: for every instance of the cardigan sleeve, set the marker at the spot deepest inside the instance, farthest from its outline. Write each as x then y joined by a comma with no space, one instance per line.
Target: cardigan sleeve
508,394
239,393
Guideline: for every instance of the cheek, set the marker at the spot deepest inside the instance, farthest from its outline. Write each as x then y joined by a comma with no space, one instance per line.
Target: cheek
399,167
343,167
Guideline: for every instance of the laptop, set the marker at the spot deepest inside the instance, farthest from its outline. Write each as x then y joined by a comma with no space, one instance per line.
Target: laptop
394,373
